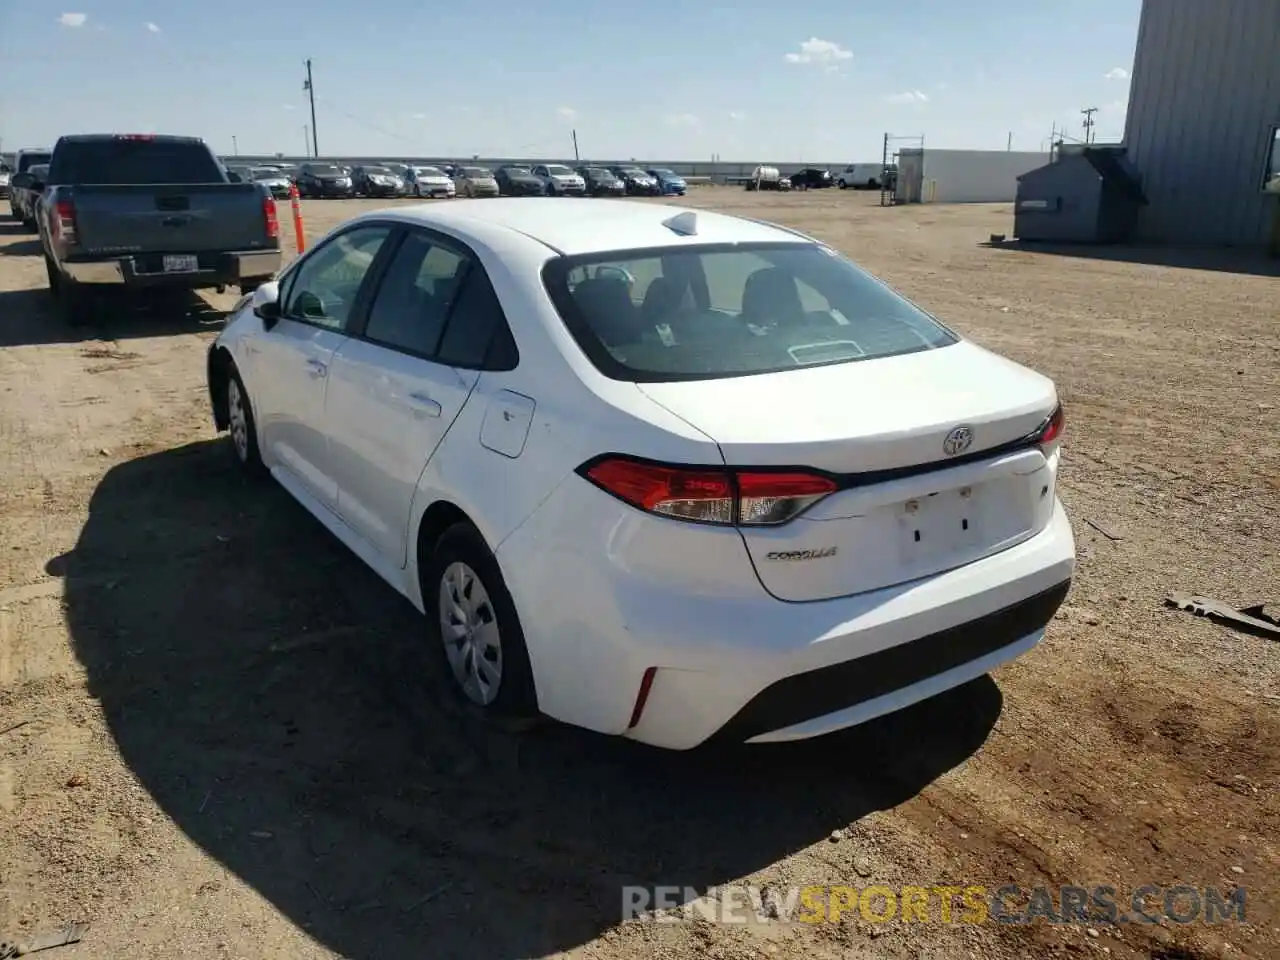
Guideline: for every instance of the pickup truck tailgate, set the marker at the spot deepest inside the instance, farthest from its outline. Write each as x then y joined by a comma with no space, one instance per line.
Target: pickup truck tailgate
170,218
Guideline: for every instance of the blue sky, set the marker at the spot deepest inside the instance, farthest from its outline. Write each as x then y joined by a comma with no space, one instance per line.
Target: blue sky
742,79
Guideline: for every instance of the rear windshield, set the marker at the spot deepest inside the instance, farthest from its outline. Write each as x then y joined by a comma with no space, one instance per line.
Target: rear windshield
324,170
698,313
29,160
135,162
476,173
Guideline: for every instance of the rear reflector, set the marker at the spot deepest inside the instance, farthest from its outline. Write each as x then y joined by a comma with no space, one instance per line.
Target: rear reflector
717,495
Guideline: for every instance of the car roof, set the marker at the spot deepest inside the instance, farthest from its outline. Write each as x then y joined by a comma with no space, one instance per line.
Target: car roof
592,226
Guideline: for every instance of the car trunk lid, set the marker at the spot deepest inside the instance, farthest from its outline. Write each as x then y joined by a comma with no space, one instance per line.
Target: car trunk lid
929,452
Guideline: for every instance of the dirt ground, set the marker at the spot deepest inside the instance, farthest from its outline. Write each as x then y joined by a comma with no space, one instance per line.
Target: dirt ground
208,747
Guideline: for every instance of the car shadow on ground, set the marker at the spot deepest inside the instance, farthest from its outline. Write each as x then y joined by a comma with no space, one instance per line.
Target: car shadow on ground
31,318
1221,259
257,679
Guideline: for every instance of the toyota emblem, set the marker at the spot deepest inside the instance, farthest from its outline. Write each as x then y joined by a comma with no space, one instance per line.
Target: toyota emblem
958,441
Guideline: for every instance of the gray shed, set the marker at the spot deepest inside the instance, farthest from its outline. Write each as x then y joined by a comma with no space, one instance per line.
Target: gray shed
1088,196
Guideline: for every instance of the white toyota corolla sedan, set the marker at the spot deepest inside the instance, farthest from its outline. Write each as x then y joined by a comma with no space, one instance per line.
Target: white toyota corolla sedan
662,473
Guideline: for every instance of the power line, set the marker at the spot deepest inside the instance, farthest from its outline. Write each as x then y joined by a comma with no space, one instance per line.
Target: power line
1088,123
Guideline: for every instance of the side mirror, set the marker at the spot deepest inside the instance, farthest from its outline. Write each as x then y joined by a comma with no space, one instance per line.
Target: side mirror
266,304
22,181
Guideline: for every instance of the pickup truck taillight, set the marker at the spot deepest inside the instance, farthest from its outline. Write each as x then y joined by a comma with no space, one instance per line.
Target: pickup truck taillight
270,215
64,221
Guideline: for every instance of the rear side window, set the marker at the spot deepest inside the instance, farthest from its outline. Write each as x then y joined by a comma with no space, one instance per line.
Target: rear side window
477,335
135,162
416,295
693,313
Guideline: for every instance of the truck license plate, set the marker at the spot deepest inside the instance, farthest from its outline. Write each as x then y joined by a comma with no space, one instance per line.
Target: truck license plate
181,263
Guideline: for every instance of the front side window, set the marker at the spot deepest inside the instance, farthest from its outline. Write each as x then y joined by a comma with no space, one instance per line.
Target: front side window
692,313
324,287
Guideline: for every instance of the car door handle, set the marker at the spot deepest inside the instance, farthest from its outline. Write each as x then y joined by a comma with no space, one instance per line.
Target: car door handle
318,367
429,406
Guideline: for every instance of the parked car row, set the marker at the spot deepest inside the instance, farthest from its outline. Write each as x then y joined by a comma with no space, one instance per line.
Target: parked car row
318,180
855,176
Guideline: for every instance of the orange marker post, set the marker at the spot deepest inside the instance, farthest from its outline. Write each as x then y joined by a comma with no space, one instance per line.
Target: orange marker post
299,236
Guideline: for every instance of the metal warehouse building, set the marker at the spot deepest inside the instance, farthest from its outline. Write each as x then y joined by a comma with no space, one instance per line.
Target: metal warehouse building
1204,107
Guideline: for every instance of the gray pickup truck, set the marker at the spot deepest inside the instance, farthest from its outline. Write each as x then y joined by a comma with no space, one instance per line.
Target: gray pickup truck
153,212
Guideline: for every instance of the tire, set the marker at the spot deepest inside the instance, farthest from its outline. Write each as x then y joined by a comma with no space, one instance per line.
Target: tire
242,427
842,185
417,190
872,185
462,567
76,306
551,190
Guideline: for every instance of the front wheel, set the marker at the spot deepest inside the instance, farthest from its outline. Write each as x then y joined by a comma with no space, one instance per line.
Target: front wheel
241,425
475,618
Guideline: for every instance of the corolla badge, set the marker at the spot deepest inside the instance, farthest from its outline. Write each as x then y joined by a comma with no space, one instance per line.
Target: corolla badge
957,441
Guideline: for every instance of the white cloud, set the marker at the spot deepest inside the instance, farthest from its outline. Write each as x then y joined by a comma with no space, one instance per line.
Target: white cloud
737,116
73,19
567,113
1117,73
419,116
682,120
151,27
821,52
909,96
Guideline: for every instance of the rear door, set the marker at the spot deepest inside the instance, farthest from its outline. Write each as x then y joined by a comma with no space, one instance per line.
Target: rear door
398,385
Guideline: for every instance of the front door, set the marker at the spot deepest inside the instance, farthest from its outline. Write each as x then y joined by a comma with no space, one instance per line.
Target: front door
294,356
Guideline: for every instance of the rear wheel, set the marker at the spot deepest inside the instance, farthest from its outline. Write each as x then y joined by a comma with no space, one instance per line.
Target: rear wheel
472,613
76,305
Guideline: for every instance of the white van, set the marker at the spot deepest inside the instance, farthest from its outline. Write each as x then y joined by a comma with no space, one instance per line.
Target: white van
860,176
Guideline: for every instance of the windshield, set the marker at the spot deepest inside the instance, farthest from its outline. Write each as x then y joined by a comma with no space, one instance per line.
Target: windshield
696,313
265,173
556,170
378,171
633,172
325,170
600,173
40,171
429,171
475,173
663,172
519,171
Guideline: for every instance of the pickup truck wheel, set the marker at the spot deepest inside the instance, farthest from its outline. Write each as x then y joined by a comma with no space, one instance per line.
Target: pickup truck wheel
77,305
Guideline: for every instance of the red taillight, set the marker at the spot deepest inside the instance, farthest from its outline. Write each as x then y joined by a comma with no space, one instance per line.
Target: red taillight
709,494
1051,432
64,221
272,218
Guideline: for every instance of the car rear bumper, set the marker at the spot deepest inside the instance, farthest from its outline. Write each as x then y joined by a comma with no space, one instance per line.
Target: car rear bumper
214,269
734,663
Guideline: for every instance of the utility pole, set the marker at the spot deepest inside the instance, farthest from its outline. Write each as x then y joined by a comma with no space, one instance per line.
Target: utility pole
1008,147
1088,123
235,145
311,92
576,158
